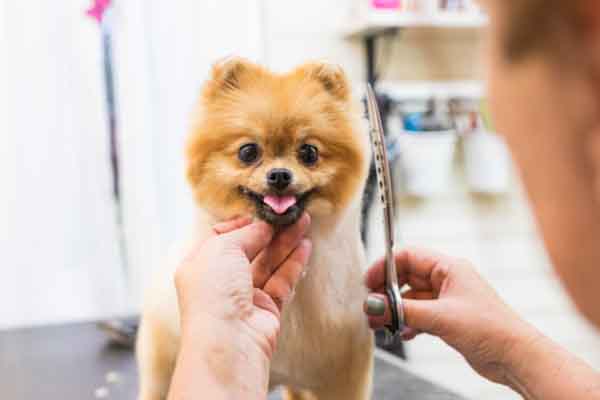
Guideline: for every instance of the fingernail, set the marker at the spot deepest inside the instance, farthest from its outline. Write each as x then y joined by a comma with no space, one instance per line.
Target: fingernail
307,243
307,217
290,297
374,306
303,274
404,333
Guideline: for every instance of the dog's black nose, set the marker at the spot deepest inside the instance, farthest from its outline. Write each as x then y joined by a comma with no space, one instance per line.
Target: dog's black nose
279,178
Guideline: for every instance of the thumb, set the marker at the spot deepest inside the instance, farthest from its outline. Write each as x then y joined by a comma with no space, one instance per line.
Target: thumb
251,239
418,314
422,315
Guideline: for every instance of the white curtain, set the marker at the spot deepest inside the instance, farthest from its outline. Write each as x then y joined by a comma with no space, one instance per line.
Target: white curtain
58,237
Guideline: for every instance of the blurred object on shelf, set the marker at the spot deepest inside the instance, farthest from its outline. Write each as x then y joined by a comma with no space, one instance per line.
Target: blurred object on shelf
369,18
423,6
386,4
427,159
427,7
423,132
435,118
464,112
487,163
460,5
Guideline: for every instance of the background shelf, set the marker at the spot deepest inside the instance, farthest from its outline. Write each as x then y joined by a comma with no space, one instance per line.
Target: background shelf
406,90
375,22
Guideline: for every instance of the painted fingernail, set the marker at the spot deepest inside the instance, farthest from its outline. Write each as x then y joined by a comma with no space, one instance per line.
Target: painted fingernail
374,306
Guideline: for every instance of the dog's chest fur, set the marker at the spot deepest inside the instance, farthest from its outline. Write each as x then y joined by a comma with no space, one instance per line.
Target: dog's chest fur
324,321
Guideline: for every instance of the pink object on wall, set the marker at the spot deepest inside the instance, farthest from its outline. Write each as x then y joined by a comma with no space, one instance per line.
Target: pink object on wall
387,4
97,9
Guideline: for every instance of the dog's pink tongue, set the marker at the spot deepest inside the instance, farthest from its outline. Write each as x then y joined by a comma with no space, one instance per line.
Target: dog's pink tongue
280,204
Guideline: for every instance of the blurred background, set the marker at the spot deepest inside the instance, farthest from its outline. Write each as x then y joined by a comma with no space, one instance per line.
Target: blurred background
83,103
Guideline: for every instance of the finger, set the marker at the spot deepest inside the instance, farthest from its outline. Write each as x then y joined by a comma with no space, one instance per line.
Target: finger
409,262
414,282
218,229
409,334
419,283
251,239
419,295
282,283
375,276
418,314
412,294
228,226
421,315
278,251
264,301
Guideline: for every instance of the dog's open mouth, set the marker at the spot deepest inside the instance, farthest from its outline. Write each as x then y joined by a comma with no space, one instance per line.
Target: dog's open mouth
278,209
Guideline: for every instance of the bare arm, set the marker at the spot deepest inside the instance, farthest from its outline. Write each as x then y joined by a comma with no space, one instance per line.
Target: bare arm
538,368
448,299
216,362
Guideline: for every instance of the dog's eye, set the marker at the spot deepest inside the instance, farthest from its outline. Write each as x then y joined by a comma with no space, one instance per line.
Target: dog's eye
309,155
249,153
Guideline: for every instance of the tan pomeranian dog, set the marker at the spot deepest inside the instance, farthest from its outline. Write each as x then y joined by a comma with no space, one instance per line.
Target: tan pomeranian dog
273,146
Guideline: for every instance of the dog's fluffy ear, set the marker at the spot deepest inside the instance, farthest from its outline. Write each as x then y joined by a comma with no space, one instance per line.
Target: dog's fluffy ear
331,76
229,73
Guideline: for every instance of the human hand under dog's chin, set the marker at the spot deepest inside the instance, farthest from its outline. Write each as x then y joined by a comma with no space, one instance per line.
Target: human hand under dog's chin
230,291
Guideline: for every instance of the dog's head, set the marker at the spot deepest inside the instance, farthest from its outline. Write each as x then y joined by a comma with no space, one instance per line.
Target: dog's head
275,144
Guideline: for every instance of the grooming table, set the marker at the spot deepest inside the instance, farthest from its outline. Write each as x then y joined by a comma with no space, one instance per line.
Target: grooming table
75,362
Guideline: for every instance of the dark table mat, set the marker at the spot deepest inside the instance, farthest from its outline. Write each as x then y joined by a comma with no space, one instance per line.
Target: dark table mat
75,362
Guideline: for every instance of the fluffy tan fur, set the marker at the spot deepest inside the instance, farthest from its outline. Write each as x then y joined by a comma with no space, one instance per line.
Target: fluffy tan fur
325,346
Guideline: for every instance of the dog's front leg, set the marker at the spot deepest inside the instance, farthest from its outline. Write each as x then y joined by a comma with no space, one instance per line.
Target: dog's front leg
354,383
156,350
